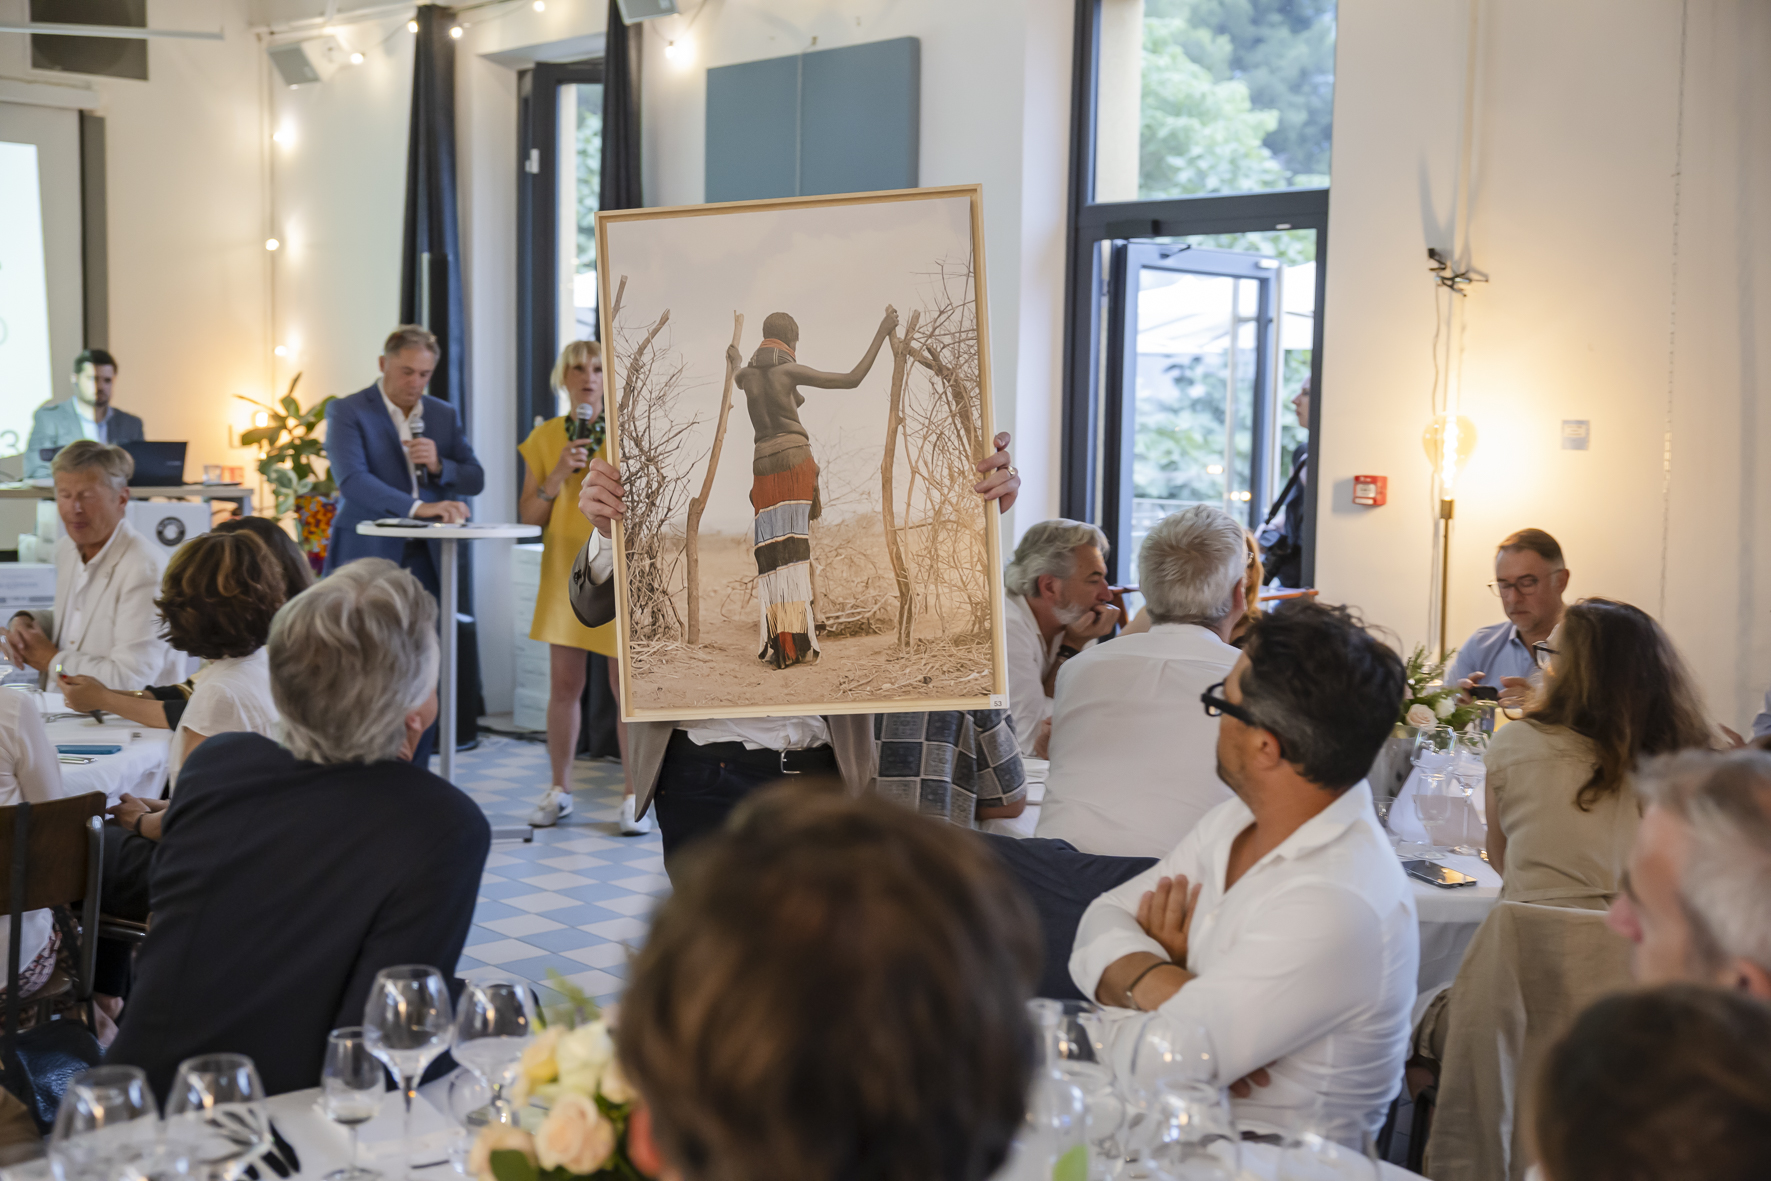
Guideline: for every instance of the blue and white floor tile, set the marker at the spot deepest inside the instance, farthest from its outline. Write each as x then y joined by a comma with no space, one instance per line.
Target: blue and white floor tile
579,898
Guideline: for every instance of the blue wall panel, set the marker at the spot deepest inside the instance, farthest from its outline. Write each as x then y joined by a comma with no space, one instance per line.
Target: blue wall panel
753,130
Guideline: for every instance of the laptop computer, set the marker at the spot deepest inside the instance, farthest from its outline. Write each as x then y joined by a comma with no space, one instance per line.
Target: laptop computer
157,465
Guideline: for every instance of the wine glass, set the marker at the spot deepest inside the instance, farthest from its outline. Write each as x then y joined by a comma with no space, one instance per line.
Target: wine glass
470,1110
1433,745
1329,1151
493,1023
1436,801
107,1126
215,1114
1080,1055
352,1084
1164,1049
1469,773
407,1023
1197,1138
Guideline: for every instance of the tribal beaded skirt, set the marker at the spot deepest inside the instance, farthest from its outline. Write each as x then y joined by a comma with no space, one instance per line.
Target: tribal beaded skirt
786,502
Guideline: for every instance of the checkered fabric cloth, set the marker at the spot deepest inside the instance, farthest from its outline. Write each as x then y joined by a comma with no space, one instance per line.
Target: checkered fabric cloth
948,763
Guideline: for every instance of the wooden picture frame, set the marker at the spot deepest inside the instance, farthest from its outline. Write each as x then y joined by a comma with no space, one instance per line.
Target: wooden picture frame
848,609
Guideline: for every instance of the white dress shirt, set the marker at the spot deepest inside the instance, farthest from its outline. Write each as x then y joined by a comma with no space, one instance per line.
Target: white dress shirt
403,428
1028,655
231,695
105,621
1307,963
1133,754
29,770
791,733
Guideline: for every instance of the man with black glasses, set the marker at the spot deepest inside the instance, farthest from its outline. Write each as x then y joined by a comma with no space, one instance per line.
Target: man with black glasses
1282,925
1530,578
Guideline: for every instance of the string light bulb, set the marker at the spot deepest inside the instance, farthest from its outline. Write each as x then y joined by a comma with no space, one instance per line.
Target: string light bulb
540,5
356,59
271,243
261,418
281,350
411,26
455,31
284,136
1449,441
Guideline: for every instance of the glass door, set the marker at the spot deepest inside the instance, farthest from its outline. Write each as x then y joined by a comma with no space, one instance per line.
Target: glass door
1192,357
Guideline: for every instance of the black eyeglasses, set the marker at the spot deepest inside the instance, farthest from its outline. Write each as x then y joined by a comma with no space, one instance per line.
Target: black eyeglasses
1215,705
1541,652
1523,586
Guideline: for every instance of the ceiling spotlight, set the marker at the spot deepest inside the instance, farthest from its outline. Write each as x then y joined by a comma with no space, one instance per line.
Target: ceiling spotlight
540,5
411,26
271,243
455,31
356,59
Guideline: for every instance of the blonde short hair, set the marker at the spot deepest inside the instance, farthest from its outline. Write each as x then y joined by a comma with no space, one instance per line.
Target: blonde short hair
579,352
116,464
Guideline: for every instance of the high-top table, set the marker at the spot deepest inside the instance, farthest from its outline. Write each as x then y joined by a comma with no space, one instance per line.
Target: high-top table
450,536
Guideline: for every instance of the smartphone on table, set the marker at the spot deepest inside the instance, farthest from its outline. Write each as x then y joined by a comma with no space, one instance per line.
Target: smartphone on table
1438,875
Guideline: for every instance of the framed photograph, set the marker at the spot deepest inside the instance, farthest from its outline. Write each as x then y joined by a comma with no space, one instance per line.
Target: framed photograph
799,392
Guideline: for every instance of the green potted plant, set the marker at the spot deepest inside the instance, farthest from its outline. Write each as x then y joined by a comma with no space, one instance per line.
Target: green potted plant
291,446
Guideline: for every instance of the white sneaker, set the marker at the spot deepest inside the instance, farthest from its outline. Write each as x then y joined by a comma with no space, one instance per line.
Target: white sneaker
631,825
553,807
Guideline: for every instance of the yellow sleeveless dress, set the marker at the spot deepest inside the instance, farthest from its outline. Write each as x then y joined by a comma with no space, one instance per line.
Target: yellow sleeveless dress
563,536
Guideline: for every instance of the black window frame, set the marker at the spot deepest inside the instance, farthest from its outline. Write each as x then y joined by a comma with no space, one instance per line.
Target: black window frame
1083,487
538,125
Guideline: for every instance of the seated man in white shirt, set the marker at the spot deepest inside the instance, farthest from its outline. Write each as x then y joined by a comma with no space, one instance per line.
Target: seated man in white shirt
1283,924
104,624
1133,757
1058,603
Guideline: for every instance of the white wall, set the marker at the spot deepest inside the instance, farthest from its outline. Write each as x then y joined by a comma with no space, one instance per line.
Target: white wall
188,270
1572,218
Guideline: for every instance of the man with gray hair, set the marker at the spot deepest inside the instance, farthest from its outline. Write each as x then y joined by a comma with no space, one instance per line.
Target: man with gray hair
1058,603
1696,898
104,624
289,875
1134,761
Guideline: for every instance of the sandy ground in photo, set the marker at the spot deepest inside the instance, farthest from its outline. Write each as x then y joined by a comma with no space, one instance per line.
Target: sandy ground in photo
723,671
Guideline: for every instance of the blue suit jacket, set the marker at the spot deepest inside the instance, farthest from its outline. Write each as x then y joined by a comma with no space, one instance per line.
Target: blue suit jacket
370,467
58,424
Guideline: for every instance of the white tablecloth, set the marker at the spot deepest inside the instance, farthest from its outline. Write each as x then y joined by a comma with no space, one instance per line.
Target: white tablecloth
139,768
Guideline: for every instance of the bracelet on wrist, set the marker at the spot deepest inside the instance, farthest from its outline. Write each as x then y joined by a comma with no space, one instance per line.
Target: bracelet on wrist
544,494
1131,989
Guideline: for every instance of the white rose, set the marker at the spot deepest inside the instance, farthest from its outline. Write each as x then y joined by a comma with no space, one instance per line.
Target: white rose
1446,707
615,1087
1421,715
586,1048
574,1137
496,1138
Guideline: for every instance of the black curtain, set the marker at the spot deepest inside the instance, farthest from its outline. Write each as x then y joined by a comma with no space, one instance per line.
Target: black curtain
430,279
621,115
620,190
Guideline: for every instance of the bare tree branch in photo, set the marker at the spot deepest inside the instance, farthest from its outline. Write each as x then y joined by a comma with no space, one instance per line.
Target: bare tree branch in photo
894,424
652,439
698,505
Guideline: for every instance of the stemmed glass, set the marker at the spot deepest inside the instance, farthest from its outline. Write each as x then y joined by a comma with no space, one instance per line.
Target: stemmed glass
1197,1138
1469,772
1165,1050
1328,1150
1437,798
108,1126
352,1084
407,1022
1081,1057
493,1023
215,1114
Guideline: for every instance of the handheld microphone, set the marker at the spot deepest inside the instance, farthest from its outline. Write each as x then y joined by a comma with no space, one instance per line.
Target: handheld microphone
415,425
582,426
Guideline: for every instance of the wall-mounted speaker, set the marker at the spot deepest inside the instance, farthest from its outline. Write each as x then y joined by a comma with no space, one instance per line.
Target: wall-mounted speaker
314,60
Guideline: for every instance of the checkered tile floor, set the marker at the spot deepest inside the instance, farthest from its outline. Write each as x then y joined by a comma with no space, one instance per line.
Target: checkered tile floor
579,897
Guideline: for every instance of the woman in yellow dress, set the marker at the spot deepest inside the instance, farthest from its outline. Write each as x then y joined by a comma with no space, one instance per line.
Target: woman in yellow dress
554,470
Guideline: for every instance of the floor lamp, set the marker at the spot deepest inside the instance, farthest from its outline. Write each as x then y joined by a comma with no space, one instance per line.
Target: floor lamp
1449,441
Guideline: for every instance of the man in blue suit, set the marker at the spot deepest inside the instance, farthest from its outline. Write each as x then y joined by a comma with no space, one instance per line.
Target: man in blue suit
87,415
396,452
385,468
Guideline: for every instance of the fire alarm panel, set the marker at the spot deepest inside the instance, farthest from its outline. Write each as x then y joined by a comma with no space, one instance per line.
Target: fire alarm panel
1371,491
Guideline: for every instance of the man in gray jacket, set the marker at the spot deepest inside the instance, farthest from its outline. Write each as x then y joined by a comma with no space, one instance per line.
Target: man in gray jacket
87,415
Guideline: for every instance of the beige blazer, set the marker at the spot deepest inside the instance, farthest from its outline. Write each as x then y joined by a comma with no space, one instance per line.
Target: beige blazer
116,636
851,735
1556,853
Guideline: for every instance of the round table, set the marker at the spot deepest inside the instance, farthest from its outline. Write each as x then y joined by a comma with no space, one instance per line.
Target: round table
450,536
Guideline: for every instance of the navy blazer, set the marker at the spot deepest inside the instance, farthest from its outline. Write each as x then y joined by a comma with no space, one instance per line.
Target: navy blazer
58,424
370,467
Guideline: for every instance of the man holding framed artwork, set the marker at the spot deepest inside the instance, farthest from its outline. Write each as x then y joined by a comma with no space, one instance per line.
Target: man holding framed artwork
697,771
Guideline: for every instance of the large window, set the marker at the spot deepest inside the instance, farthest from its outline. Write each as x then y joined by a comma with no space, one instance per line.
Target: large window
560,138
1200,160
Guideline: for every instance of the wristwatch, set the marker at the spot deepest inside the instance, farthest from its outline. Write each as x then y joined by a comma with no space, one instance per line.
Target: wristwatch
1065,652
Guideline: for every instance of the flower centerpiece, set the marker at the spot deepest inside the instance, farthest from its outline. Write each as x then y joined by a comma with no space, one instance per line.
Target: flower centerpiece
1428,701
291,445
574,1105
